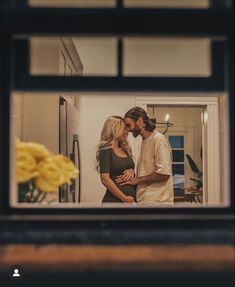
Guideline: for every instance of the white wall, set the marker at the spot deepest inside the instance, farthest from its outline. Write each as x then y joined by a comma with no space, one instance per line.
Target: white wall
16,114
40,119
93,111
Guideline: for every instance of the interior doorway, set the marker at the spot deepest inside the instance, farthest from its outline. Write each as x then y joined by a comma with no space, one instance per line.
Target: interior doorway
199,142
183,125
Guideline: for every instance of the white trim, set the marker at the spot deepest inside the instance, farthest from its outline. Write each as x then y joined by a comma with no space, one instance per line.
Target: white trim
188,142
213,155
225,148
177,99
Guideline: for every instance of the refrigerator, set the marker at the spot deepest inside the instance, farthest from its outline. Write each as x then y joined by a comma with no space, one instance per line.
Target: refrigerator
69,146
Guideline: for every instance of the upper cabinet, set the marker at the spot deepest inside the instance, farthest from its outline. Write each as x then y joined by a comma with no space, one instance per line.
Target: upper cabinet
69,60
54,56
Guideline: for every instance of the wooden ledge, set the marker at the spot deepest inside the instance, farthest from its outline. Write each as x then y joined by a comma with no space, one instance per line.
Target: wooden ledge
77,258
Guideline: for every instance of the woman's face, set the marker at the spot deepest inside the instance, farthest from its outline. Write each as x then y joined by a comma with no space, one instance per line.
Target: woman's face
123,134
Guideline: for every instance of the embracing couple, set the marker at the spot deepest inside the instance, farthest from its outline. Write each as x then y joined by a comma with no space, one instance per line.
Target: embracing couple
153,181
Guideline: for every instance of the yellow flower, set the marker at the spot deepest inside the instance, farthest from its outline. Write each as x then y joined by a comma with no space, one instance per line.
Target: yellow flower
26,166
55,171
49,178
34,161
38,151
67,168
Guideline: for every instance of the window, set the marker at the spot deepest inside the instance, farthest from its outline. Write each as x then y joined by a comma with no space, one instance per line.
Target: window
177,144
123,74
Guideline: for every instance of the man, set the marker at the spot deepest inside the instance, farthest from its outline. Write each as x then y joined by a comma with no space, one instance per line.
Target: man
154,171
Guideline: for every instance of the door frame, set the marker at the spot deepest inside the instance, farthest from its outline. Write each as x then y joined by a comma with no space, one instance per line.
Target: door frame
212,169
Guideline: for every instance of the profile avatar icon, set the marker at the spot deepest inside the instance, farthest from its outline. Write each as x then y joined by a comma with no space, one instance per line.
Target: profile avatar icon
16,273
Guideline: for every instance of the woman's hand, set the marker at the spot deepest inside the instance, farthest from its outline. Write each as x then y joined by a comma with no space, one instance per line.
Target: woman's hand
127,175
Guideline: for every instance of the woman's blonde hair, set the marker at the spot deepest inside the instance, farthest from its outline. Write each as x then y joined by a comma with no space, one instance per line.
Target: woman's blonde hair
112,128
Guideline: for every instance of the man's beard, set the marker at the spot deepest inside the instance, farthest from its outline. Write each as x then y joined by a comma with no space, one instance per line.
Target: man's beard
136,131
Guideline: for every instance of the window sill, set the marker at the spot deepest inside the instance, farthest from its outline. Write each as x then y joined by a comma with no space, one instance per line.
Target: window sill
127,258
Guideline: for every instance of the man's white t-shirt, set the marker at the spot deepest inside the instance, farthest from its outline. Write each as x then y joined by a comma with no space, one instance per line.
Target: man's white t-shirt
155,157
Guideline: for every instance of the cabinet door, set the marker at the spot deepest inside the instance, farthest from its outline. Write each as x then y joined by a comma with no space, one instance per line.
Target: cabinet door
70,63
66,69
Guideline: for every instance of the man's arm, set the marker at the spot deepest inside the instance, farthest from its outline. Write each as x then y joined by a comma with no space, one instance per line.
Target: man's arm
154,177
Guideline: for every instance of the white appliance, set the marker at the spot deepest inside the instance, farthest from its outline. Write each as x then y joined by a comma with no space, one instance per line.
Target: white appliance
69,146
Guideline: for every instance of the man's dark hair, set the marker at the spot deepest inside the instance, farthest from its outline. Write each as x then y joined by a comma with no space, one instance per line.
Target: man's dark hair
137,112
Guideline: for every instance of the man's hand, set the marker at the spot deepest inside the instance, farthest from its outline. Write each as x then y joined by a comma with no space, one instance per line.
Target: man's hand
127,175
129,199
134,181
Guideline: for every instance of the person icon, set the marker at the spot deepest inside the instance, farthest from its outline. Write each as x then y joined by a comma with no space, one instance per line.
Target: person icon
16,273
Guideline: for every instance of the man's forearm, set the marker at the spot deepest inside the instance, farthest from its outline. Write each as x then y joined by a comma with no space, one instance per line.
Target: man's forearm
154,177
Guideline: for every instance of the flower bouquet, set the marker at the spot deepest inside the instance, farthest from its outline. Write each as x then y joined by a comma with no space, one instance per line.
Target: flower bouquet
39,172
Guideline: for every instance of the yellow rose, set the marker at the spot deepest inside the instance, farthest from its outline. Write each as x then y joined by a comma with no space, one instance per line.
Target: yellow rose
68,170
49,178
49,171
39,151
26,166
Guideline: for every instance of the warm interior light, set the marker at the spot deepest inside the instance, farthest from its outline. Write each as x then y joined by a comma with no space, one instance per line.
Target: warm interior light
205,117
167,118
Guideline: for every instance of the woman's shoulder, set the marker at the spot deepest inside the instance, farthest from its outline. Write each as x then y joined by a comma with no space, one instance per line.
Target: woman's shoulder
105,149
105,146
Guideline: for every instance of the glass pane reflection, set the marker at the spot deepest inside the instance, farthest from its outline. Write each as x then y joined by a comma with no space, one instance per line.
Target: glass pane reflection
73,3
176,141
192,4
73,56
98,56
71,125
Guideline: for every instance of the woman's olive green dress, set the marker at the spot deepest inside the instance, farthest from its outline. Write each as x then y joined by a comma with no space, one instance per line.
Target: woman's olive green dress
115,165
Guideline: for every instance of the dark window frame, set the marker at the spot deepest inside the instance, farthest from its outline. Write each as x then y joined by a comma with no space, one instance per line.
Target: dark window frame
26,82
118,21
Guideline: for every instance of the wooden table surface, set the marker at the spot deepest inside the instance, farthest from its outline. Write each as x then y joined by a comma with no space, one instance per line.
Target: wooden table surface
75,258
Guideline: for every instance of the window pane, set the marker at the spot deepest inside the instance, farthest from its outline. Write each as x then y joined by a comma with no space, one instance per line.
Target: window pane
167,57
98,56
73,56
72,3
71,124
178,169
193,4
176,4
178,155
176,141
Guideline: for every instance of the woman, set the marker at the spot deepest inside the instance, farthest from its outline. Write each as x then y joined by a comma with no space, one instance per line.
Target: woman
114,158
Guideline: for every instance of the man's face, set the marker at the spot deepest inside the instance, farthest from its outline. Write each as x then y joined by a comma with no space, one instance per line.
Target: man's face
132,127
